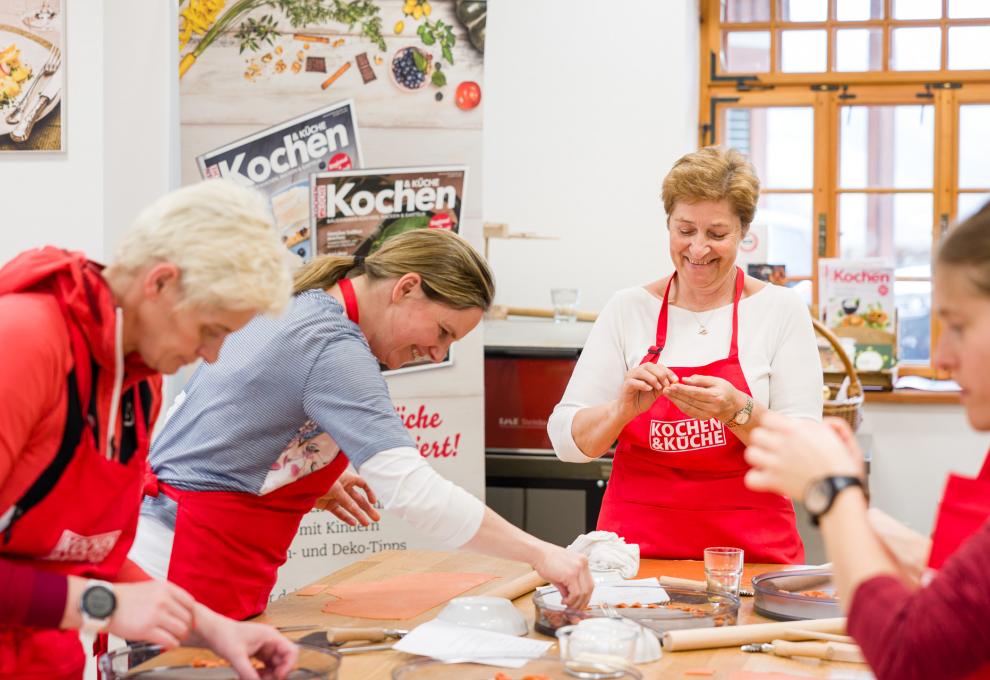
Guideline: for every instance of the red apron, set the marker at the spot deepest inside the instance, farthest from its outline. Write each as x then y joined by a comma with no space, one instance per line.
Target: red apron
228,545
84,526
965,507
677,487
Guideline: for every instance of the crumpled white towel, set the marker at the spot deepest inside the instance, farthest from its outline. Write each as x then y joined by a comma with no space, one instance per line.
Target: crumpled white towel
608,550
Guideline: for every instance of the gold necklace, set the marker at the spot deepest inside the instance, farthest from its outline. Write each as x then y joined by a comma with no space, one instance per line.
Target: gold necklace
703,327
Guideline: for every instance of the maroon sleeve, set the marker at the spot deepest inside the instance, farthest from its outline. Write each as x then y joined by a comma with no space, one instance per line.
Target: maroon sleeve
941,631
29,597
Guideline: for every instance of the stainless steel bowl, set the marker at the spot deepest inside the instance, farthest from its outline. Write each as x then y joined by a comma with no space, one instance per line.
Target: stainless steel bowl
782,595
144,662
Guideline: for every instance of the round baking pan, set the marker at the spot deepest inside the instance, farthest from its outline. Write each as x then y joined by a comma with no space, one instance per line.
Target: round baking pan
796,595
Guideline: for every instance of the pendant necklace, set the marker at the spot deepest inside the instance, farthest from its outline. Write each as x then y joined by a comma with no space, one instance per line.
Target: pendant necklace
703,326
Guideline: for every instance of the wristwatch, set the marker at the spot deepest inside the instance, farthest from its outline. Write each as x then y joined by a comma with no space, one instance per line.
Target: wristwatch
741,417
822,493
97,605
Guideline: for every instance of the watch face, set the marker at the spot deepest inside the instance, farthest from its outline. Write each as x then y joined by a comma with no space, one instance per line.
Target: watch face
742,417
99,602
818,496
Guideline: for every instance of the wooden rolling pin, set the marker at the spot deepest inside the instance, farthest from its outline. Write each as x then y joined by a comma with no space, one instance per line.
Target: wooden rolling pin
733,636
518,586
691,584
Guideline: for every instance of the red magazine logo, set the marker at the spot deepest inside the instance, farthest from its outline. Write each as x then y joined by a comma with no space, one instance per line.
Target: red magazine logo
73,547
340,161
441,221
678,436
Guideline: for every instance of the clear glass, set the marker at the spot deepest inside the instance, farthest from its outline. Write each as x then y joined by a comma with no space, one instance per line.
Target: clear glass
802,10
969,9
968,47
565,302
43,16
593,648
723,569
858,10
969,204
746,51
745,11
786,222
803,51
917,9
916,49
858,49
884,147
974,146
893,226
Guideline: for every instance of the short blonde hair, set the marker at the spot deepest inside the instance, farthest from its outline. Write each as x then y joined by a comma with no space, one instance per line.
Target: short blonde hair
714,174
222,238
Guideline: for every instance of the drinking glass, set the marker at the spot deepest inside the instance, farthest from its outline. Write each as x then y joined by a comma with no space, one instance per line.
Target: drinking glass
723,569
564,304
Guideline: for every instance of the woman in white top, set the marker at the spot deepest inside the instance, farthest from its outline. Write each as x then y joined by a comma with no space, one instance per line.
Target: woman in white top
679,371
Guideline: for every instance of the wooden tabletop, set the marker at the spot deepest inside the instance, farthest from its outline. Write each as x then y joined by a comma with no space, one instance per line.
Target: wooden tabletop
300,610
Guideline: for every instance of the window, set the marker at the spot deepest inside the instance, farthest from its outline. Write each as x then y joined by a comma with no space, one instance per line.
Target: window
868,122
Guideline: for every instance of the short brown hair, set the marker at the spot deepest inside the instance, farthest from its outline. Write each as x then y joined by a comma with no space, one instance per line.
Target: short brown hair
713,174
967,247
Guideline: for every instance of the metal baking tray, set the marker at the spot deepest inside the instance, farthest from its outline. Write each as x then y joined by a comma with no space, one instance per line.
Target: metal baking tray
141,662
796,595
687,609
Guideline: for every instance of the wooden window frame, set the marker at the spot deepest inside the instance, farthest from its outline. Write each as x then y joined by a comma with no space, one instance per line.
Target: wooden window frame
827,92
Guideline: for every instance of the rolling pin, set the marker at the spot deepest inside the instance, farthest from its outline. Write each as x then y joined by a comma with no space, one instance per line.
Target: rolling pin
691,584
734,636
517,587
830,651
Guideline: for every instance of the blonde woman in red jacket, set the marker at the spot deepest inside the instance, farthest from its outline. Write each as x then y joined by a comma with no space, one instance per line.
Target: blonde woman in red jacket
83,351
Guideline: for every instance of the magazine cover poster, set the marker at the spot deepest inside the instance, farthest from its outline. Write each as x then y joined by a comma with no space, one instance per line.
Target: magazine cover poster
279,160
354,212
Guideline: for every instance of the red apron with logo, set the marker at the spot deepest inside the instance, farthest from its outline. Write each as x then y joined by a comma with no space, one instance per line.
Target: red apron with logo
677,487
83,526
965,507
228,545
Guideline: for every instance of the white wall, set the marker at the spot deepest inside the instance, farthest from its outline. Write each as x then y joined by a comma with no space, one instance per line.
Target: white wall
587,105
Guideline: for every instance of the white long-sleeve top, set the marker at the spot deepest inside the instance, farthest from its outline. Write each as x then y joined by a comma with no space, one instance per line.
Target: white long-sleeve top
777,352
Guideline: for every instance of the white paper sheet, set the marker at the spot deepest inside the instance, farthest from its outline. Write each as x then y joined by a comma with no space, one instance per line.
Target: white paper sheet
449,642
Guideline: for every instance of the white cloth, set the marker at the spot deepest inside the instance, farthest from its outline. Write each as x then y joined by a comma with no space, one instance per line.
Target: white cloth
607,550
152,547
777,352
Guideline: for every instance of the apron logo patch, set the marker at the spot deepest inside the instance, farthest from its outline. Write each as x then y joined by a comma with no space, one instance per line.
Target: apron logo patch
676,436
73,547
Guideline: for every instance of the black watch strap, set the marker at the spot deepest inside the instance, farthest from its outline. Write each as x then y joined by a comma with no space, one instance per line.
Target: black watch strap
837,485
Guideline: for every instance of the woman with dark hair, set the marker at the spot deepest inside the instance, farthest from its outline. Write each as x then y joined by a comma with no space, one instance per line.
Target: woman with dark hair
910,623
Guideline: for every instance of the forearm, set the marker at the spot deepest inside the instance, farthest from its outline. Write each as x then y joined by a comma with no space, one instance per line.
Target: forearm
857,554
595,428
205,621
31,597
743,431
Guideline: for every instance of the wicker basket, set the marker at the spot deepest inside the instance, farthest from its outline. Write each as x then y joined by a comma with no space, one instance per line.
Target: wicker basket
849,409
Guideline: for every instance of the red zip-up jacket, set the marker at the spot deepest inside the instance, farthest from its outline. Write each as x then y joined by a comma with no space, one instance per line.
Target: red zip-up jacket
35,359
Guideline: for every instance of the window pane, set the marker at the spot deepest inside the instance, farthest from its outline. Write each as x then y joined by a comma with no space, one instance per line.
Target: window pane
893,226
974,146
803,51
916,49
745,11
858,10
778,140
886,146
746,52
917,9
968,47
969,9
858,49
803,10
914,320
786,222
969,204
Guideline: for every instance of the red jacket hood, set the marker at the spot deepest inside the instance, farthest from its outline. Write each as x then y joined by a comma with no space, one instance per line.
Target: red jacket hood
79,287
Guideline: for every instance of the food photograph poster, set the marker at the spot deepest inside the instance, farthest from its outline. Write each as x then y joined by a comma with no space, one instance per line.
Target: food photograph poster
294,97
32,75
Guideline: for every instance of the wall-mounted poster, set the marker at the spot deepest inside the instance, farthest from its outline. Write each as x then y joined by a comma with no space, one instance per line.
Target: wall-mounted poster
32,93
279,160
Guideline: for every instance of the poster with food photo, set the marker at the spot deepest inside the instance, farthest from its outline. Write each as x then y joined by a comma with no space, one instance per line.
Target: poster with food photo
856,300
279,160
355,212
32,47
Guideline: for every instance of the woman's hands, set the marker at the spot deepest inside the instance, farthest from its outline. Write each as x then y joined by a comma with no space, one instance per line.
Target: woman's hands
787,455
568,572
704,397
642,386
347,502
154,611
906,547
239,641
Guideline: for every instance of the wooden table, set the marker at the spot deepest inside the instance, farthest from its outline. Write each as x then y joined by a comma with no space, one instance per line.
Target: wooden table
299,610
